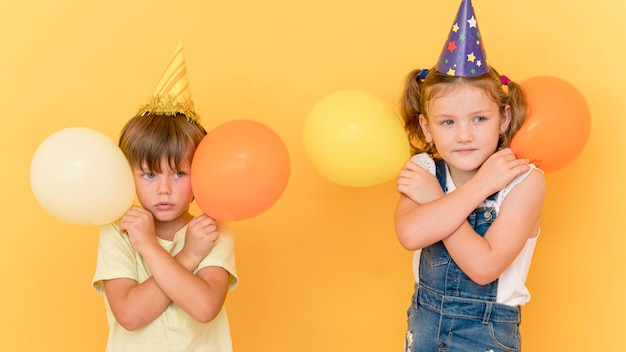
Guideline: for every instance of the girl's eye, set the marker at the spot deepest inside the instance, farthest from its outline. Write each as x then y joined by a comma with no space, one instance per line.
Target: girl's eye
480,118
447,122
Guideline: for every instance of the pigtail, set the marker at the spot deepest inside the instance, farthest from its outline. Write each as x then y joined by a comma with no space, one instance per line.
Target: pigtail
411,108
516,99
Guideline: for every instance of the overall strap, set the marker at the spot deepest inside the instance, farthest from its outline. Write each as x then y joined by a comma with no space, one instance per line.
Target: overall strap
440,172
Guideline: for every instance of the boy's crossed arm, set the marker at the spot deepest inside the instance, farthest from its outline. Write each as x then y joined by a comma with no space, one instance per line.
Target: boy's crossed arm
135,305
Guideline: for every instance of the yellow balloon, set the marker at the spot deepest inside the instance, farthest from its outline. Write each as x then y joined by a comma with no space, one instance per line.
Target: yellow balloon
80,176
354,139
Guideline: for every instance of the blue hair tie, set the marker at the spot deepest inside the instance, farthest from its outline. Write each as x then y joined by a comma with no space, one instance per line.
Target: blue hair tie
423,73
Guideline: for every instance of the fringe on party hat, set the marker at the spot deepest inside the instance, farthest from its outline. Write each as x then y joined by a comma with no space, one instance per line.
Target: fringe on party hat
464,52
172,95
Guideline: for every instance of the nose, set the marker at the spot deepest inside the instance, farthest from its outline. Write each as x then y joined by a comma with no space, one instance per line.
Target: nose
464,133
164,185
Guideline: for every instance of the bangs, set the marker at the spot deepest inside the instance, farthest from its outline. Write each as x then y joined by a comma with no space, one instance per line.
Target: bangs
448,83
151,155
148,140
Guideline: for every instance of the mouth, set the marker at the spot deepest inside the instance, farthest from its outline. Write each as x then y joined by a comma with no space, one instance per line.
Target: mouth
164,206
465,150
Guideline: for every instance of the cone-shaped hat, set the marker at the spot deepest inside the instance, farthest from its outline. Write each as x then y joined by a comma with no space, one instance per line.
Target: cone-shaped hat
464,52
172,95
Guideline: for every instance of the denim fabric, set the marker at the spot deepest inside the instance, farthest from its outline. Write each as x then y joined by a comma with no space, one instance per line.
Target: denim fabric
449,312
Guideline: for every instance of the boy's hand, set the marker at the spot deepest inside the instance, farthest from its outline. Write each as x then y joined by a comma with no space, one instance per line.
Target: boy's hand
500,169
138,223
202,232
418,184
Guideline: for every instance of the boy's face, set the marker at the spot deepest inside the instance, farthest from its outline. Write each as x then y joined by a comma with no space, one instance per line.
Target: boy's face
167,194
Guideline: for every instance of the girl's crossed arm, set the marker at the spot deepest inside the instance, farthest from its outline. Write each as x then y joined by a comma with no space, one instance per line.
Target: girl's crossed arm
425,214
484,259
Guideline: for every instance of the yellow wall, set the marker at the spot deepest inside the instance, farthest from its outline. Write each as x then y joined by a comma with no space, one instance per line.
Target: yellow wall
321,270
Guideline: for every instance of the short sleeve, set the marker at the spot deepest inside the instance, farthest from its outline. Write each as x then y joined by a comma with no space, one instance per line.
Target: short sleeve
222,254
116,257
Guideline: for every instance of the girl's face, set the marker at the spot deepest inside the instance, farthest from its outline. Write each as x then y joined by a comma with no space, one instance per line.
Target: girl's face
167,195
465,125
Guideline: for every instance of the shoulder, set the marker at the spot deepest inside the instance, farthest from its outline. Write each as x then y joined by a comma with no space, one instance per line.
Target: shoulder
527,190
534,180
224,246
425,161
226,238
536,175
113,227
111,237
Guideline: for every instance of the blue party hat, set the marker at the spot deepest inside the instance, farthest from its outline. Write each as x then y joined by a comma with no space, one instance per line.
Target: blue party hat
464,52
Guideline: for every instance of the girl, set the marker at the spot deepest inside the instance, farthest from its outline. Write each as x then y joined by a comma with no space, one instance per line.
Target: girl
468,207
476,222
473,220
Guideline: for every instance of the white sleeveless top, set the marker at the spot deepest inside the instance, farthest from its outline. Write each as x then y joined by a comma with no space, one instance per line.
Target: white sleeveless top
512,289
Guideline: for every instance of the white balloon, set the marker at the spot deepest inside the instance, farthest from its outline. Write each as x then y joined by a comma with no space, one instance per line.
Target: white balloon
80,176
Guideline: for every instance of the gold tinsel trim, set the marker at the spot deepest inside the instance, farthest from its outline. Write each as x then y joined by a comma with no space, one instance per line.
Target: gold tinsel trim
170,106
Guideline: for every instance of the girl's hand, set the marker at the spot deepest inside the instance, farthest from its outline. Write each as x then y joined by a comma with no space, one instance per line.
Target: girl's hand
418,184
500,169
138,223
202,232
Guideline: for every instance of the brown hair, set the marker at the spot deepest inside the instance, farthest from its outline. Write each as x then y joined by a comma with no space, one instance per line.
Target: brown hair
148,138
419,90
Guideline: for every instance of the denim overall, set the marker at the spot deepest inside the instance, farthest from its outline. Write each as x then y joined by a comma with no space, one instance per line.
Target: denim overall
449,312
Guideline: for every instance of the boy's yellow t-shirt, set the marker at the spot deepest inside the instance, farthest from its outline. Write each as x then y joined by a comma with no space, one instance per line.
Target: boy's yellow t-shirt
174,329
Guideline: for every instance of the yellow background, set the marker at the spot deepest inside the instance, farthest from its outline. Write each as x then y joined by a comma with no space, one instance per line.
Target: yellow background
321,270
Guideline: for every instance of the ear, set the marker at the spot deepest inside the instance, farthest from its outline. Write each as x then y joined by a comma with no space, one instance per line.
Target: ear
426,128
505,119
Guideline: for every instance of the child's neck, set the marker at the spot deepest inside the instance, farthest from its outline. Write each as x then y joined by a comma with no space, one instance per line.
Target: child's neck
460,177
167,229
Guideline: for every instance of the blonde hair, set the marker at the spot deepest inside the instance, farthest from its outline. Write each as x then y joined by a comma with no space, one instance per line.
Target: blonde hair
149,138
422,85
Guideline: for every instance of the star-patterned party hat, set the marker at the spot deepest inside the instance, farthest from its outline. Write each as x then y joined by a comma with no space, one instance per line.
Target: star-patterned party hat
172,95
464,52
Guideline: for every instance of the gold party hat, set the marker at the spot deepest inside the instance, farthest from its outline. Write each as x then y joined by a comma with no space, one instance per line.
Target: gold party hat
172,95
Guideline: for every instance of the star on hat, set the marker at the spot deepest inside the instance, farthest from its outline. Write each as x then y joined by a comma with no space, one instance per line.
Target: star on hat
463,53
172,95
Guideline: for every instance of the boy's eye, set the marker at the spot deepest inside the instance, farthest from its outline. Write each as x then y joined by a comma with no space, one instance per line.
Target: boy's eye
148,175
179,174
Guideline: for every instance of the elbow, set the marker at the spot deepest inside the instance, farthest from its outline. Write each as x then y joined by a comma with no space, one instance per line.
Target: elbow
131,319
482,277
130,327
206,309
482,281
407,239
407,243
206,314
130,323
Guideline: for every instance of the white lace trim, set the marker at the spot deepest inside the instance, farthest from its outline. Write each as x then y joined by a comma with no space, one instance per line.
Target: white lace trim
425,161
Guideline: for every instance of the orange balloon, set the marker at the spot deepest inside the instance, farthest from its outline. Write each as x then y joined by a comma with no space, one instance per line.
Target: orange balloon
239,170
557,125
